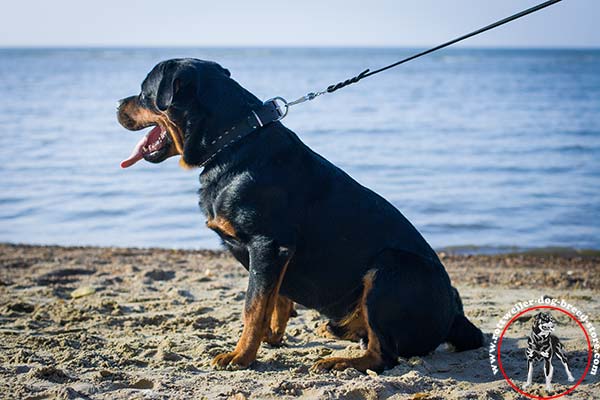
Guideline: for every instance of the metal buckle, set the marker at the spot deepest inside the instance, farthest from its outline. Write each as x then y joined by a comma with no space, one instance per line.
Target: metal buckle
281,106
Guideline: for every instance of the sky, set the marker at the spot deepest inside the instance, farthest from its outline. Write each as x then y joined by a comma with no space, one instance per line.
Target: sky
570,23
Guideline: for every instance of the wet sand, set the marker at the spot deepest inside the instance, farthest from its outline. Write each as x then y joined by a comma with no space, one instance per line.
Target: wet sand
112,323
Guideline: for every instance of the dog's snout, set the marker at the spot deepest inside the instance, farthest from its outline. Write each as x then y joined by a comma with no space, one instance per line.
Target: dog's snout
133,116
121,103
123,114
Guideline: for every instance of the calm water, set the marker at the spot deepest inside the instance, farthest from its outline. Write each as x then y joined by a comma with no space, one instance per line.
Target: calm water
490,148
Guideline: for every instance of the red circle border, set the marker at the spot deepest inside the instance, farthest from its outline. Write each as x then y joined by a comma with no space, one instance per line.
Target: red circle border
587,368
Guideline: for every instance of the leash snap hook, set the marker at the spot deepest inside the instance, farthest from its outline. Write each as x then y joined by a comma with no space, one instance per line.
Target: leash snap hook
281,106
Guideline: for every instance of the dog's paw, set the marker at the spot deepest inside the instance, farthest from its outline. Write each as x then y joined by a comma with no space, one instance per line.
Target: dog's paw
231,360
571,379
274,339
324,330
526,385
331,363
548,387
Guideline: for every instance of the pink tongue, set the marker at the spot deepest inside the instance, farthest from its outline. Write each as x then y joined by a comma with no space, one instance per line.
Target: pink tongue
136,154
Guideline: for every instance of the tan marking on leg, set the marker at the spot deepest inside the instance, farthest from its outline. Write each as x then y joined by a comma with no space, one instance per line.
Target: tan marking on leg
355,325
372,358
256,322
284,309
325,331
352,327
222,225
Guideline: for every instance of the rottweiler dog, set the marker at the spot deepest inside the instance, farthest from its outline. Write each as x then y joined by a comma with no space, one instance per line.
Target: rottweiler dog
542,345
306,231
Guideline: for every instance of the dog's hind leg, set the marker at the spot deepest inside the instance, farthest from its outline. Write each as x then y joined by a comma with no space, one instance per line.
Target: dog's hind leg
373,358
559,350
406,310
351,328
548,372
568,371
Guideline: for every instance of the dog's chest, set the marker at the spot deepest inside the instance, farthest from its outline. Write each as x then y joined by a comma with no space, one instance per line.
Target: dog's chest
540,346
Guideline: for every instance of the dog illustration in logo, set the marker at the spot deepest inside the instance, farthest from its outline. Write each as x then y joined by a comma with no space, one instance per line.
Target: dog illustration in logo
543,345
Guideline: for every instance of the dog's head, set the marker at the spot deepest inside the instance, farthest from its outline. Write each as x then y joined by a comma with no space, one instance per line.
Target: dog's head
185,101
543,323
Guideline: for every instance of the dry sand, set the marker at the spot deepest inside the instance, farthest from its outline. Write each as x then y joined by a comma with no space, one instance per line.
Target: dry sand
149,321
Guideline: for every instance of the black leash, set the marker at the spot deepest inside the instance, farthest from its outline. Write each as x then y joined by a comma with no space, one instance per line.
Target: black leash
284,106
277,108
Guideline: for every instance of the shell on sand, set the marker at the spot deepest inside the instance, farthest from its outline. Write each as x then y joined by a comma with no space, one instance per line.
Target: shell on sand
82,292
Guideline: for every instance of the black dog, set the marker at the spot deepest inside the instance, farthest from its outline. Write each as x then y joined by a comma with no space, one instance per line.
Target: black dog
542,345
304,229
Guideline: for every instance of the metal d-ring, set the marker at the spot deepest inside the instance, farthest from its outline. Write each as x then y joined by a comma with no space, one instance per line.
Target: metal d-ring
281,105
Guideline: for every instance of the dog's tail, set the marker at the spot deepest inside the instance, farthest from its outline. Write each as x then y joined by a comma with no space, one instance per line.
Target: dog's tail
463,334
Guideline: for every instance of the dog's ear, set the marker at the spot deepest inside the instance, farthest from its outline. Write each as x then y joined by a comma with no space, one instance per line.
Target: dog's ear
173,80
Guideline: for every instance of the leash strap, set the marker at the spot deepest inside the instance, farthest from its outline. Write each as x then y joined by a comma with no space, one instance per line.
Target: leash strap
366,73
277,108
271,111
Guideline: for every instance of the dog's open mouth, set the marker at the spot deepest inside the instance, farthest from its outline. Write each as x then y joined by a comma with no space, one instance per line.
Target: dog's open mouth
154,147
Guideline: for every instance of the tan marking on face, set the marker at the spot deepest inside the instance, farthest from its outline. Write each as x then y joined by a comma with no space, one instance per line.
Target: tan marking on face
142,117
174,131
176,134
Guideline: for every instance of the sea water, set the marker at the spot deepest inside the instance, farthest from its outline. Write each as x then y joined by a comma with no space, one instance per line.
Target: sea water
491,149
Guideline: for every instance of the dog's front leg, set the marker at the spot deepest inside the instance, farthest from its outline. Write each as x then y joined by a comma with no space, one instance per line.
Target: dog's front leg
548,371
529,373
283,310
268,263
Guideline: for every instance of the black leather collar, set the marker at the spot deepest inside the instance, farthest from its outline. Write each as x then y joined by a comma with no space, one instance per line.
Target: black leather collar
268,113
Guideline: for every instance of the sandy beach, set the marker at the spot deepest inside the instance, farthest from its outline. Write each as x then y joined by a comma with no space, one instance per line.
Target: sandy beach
112,323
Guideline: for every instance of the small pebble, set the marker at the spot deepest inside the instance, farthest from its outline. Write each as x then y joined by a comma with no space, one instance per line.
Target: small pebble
82,292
